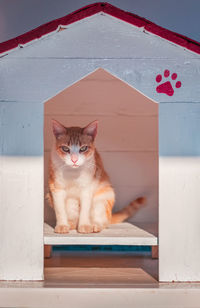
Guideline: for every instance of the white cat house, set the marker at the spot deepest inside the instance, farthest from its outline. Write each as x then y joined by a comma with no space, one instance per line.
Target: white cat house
142,82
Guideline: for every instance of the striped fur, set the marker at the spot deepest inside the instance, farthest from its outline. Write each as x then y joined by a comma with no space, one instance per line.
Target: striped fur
79,188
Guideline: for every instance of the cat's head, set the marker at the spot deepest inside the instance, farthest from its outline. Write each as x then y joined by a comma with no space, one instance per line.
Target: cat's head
75,145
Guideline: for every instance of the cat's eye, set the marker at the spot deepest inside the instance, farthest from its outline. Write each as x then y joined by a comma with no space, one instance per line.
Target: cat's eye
84,148
65,149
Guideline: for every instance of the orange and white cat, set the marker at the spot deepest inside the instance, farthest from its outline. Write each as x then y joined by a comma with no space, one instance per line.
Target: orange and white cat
79,188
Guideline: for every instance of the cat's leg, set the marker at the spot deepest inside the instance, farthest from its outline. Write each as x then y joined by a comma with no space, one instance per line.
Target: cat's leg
84,224
101,213
72,208
59,197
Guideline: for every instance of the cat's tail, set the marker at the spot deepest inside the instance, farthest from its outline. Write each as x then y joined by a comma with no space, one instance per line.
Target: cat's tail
128,211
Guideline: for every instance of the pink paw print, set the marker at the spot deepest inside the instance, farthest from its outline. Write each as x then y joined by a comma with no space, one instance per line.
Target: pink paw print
166,87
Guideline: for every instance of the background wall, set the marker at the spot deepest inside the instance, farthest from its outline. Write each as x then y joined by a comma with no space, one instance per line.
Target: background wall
19,16
127,138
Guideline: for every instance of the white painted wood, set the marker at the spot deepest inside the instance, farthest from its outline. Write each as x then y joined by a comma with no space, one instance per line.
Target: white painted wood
21,219
107,281
119,234
179,212
21,191
102,36
141,296
34,85
38,72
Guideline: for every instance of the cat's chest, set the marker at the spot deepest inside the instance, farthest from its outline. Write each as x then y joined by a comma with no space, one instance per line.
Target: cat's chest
74,185
74,180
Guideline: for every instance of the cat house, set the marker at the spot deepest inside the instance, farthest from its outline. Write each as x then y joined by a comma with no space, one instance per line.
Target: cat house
142,83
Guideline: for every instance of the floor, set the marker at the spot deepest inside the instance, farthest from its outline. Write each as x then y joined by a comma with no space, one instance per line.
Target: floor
100,279
101,268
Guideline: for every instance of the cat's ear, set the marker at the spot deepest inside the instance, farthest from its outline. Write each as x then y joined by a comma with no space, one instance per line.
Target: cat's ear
91,129
58,129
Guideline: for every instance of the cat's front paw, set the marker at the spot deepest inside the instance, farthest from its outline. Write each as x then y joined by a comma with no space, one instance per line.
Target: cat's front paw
85,228
61,229
98,228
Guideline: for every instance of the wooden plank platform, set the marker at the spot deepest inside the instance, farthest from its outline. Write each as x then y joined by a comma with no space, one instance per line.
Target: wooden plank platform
118,234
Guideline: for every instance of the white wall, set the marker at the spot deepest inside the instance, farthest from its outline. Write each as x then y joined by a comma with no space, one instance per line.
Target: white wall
179,212
21,191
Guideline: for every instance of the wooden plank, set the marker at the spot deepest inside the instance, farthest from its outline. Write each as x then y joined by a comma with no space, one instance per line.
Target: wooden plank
117,132
33,84
154,252
76,260
21,219
103,36
141,295
122,278
119,234
47,251
98,276
21,191
179,211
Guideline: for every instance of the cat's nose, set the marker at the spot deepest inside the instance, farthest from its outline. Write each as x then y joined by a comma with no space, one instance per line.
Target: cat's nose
74,158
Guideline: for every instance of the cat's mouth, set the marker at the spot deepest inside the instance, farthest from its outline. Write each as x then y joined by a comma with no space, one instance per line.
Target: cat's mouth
75,166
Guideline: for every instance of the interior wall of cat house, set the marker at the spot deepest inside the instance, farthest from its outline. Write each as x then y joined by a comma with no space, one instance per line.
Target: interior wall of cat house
127,138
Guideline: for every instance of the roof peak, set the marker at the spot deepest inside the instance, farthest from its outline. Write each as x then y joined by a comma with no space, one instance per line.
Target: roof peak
93,9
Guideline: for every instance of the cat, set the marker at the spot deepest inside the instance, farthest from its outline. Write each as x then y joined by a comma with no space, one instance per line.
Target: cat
80,190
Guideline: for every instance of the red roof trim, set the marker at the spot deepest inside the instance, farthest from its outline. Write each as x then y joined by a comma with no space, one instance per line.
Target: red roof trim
92,9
